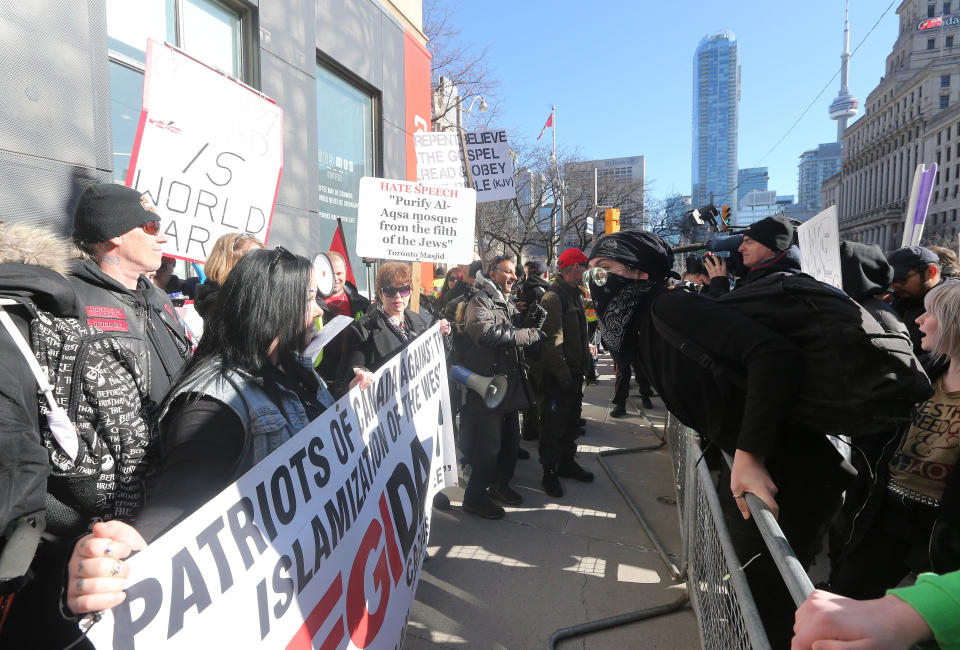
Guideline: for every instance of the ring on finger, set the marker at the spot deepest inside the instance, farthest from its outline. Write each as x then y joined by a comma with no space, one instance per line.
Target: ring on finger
116,568
739,496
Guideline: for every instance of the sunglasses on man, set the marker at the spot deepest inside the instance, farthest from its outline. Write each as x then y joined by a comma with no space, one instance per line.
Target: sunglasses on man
151,228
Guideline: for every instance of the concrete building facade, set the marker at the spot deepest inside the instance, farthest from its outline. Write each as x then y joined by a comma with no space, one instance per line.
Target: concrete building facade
617,178
352,76
912,117
716,98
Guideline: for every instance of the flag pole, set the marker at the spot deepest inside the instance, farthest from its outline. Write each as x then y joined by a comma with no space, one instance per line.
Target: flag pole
556,165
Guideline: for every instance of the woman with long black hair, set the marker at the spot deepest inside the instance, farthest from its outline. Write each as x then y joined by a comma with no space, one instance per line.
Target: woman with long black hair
245,392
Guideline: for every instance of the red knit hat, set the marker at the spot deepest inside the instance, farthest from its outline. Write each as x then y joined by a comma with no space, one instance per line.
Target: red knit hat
571,257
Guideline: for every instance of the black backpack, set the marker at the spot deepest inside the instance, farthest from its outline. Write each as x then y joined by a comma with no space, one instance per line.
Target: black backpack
102,388
855,375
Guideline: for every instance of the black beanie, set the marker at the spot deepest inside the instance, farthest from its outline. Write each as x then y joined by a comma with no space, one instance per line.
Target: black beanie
107,210
776,233
640,250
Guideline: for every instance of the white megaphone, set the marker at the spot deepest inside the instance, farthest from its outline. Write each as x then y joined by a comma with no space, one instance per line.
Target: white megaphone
491,389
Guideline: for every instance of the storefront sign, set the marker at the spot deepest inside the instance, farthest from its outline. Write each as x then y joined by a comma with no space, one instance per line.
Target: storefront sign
208,153
404,220
320,544
820,247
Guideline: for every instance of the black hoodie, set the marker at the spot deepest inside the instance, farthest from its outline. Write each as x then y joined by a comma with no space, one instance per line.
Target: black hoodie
867,274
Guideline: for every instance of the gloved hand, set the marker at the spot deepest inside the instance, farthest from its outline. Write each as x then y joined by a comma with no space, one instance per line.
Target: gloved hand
538,316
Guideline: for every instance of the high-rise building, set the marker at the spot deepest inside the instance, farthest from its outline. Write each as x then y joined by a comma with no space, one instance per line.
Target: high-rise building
912,117
620,182
816,166
716,96
750,179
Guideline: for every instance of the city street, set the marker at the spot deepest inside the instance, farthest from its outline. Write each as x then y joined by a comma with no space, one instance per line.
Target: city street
555,563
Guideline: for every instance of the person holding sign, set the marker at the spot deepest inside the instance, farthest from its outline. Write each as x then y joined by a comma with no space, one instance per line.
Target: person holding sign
381,334
246,391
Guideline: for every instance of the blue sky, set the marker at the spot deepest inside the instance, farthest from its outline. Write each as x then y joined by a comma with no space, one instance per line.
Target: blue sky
620,73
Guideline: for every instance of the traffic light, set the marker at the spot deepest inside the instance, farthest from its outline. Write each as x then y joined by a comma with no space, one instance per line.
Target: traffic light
611,221
725,217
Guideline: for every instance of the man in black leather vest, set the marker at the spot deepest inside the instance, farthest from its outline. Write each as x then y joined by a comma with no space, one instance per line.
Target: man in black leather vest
120,231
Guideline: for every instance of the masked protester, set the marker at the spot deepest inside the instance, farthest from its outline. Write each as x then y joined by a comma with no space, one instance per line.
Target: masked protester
796,473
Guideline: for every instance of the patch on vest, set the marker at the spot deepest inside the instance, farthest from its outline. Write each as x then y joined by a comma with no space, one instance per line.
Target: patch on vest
108,324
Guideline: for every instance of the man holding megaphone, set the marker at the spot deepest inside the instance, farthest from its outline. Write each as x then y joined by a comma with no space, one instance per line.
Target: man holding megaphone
493,343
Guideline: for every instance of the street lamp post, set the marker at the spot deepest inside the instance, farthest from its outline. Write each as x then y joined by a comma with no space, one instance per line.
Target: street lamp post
466,163
482,108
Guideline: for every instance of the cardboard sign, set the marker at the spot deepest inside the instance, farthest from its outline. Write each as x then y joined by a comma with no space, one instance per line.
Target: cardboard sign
404,220
820,247
320,544
208,153
440,161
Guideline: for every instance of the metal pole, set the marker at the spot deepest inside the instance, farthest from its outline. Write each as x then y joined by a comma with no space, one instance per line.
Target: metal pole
793,574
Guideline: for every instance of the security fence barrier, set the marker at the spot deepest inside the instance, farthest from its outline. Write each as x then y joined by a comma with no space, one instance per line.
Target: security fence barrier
716,585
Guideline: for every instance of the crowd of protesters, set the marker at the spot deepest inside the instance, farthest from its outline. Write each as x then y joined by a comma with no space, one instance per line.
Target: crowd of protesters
160,426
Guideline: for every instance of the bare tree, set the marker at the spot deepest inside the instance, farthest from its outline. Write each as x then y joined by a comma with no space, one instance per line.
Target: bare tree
465,72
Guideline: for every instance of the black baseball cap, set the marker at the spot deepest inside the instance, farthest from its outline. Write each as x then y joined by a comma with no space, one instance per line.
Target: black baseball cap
910,257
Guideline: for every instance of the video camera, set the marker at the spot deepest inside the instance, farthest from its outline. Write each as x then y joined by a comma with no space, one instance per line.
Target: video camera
724,246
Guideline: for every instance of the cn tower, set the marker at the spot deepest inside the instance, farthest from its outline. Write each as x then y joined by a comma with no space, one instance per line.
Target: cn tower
845,105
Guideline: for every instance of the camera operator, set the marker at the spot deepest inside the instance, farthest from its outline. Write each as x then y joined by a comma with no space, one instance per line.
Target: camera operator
766,246
796,472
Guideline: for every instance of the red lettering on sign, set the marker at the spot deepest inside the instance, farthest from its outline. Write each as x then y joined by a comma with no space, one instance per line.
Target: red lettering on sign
100,311
303,639
396,562
362,623
108,325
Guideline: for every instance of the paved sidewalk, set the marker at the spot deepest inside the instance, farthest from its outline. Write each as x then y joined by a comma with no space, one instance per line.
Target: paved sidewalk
554,563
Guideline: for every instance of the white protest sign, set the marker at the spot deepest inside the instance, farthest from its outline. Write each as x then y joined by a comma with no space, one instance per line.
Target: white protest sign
440,161
820,247
320,544
208,153
404,220
491,165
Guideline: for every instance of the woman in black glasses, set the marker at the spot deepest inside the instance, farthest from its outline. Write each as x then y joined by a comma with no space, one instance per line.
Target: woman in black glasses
245,392
385,330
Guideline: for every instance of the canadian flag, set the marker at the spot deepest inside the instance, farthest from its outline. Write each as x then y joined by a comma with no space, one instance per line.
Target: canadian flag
545,126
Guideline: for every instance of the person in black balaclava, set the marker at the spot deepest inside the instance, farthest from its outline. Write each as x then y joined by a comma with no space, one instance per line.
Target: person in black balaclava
798,475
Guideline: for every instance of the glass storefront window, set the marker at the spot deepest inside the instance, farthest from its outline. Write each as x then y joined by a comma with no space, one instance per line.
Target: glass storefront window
211,33
205,29
345,154
130,24
126,93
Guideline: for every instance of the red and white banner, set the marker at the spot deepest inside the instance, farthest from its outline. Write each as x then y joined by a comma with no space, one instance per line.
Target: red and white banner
318,546
209,153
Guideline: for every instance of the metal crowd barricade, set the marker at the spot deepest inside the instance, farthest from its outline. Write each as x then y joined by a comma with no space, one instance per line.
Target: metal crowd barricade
725,610
717,587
